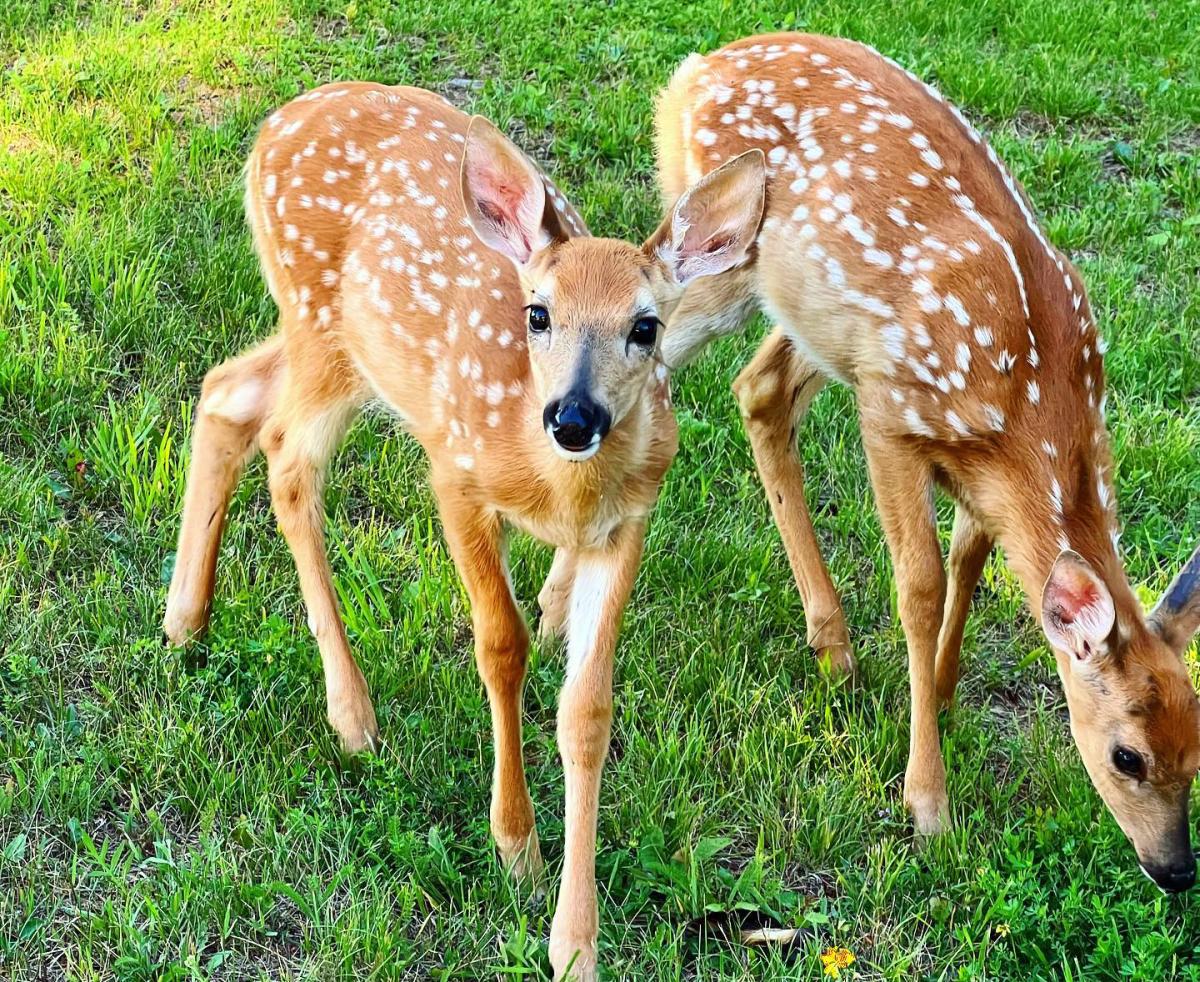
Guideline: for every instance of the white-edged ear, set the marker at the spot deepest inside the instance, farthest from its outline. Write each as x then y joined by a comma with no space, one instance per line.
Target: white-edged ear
1176,616
503,193
713,225
1077,609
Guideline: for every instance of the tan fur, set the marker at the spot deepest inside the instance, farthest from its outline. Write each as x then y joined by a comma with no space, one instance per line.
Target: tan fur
370,207
899,257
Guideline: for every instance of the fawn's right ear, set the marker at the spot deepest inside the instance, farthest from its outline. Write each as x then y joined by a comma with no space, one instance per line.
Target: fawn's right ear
715,222
1077,609
503,193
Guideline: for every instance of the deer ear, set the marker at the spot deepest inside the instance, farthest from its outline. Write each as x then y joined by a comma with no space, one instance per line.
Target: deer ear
1077,609
714,223
1176,617
503,193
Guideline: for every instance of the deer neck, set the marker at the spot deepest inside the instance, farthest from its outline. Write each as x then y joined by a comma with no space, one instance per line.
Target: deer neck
1058,496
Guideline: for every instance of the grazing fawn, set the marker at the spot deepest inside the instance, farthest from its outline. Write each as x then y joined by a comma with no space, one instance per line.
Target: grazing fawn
418,257
899,256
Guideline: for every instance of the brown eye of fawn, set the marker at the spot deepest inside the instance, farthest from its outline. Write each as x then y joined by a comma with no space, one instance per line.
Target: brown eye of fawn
645,331
539,319
1128,761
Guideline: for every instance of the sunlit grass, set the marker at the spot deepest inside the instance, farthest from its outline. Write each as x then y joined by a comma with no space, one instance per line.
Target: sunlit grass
167,815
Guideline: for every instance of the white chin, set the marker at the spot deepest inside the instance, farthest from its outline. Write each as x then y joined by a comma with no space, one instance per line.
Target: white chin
585,454
1152,880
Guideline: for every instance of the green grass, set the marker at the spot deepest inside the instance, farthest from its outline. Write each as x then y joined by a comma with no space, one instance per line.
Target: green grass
187,816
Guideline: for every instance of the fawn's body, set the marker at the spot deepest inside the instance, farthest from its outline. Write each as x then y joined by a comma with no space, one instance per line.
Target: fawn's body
899,257
370,208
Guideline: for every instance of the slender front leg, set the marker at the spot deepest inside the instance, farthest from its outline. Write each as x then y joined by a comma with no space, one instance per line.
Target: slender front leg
476,541
555,596
298,439
774,392
969,548
904,496
603,581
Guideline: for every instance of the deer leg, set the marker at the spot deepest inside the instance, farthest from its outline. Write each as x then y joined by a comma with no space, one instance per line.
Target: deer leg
603,581
555,596
298,439
234,401
904,496
476,542
774,392
969,549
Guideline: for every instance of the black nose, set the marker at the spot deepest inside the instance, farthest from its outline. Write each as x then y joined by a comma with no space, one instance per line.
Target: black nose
1174,878
575,422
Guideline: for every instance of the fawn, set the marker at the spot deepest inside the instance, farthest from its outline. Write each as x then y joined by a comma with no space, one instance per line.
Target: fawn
419,258
899,256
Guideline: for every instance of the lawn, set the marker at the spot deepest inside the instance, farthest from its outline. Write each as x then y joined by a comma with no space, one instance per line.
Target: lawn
187,815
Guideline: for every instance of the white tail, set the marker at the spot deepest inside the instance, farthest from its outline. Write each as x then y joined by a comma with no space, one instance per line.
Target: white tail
900,257
401,241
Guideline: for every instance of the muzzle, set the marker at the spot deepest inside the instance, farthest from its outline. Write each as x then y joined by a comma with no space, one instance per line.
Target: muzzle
576,424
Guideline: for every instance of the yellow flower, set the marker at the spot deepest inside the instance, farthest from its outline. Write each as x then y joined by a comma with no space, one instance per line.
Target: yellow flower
835,959
1002,930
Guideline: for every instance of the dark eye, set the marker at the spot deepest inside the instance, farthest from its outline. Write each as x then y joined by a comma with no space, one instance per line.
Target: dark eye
539,319
645,331
1128,762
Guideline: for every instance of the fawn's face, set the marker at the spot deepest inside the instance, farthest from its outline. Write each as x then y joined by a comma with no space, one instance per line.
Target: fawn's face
1134,713
593,323
595,307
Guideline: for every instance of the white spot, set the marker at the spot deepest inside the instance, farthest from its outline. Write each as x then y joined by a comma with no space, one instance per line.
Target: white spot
1034,393
893,340
237,406
956,423
962,356
916,424
954,305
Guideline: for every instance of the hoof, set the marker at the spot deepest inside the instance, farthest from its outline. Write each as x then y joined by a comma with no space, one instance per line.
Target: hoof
523,862
836,662
930,813
182,625
355,725
574,961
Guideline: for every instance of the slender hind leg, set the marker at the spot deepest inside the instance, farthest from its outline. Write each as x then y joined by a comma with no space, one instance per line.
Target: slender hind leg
969,549
298,439
235,400
903,485
774,392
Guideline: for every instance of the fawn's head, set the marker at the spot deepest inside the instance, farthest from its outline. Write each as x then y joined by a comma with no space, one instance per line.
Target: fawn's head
595,307
1134,713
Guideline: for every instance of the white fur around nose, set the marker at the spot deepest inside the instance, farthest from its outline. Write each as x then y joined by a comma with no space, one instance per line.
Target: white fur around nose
593,583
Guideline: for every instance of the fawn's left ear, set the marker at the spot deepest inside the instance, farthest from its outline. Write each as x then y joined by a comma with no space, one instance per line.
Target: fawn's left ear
504,195
1176,617
1077,609
715,222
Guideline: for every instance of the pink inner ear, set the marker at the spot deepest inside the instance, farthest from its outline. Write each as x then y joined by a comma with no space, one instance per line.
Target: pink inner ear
1077,611
502,199
1074,603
